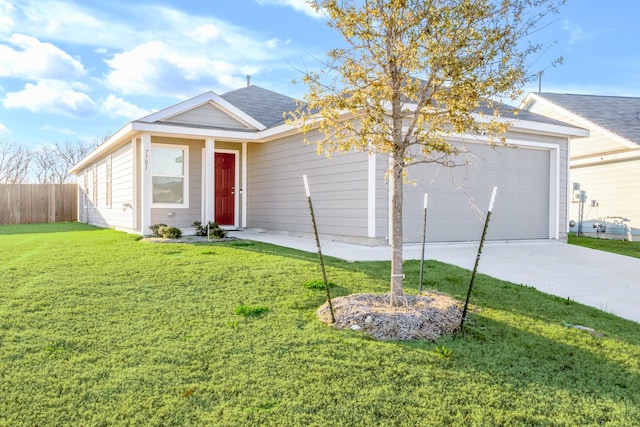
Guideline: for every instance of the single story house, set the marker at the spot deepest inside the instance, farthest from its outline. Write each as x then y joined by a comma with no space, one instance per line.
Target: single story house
606,165
232,159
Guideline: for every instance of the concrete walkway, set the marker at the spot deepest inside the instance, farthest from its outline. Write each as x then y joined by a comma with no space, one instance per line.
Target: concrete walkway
599,279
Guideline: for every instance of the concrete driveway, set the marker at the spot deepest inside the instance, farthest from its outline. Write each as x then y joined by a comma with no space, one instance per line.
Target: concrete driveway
599,279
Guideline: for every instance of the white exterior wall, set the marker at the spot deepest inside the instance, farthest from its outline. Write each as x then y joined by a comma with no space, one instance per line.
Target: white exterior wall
614,185
616,189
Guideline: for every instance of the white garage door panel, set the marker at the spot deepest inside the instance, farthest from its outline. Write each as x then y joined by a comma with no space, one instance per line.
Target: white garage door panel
459,197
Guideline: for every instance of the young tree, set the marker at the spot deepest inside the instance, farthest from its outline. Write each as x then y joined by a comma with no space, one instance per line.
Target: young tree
414,72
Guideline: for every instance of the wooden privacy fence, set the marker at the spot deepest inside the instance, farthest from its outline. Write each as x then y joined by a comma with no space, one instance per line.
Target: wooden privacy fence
37,203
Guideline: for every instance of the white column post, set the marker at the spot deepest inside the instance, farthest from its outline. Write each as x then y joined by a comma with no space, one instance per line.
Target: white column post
243,186
209,182
145,185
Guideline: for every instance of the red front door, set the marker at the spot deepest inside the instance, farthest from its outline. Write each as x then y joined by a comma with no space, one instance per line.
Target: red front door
225,177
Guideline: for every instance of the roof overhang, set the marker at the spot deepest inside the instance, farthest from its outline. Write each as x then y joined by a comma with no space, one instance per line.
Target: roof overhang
530,126
134,129
150,125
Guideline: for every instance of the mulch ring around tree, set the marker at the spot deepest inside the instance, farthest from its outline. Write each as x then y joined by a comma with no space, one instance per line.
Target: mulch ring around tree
429,316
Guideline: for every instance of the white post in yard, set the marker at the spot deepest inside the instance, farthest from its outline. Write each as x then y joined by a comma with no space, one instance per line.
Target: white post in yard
475,268
315,230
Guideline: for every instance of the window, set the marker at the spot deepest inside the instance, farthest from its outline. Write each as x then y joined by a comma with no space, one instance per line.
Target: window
109,180
169,175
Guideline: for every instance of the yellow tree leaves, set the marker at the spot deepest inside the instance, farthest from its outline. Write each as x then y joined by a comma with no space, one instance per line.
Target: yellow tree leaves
413,73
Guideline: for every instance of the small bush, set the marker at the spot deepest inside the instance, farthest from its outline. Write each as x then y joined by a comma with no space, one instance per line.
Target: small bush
155,229
214,230
170,232
251,310
317,284
165,231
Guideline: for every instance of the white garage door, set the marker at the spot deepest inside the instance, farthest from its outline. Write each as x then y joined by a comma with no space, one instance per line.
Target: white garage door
459,197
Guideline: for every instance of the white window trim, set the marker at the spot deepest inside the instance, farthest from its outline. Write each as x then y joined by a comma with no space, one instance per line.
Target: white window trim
185,176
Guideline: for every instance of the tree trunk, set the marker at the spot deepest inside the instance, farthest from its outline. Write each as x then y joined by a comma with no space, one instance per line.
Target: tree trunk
397,276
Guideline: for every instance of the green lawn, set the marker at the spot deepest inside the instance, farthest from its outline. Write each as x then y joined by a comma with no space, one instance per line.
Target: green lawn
621,247
98,328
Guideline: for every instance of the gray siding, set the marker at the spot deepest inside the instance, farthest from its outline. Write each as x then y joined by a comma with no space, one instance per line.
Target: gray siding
122,191
96,211
276,195
207,115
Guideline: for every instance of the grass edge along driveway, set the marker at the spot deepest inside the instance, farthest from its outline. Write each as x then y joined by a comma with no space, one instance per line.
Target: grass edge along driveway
100,328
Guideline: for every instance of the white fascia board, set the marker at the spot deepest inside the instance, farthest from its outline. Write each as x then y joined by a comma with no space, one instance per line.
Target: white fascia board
524,125
628,155
127,133
535,127
218,134
123,135
207,97
511,141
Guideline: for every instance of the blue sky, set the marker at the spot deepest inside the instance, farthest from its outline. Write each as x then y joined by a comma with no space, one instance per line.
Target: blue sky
80,70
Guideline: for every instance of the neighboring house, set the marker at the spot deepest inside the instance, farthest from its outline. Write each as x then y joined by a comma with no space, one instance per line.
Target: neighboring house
606,165
232,159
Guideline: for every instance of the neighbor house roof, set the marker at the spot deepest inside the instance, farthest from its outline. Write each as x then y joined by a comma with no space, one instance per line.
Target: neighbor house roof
617,114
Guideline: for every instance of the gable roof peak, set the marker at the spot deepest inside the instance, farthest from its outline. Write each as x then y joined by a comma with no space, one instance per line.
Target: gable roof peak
264,105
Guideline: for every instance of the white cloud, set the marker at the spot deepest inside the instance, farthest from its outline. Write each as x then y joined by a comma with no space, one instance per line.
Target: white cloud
62,131
204,33
6,22
52,97
3,128
298,5
157,69
35,60
576,33
70,22
118,107
148,49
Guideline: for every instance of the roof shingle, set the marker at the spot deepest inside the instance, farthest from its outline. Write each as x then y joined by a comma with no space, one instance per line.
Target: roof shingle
267,107
617,114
